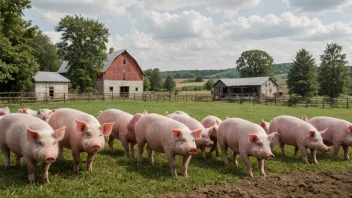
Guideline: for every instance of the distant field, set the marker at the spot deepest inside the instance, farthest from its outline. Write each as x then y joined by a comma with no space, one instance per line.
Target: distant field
180,83
115,176
281,80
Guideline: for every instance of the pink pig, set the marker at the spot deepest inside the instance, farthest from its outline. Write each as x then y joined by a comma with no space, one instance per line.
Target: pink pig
208,122
193,124
167,136
83,133
30,138
171,115
247,139
339,133
123,129
296,132
4,111
27,111
265,125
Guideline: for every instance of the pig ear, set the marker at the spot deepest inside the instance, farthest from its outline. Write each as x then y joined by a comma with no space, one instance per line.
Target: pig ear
100,112
145,112
273,137
323,132
39,112
53,110
217,122
262,124
32,135
252,138
20,111
197,133
305,118
227,117
59,133
106,128
166,113
176,133
349,128
81,126
311,134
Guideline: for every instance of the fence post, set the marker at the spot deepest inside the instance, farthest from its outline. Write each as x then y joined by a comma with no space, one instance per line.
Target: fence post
90,96
103,96
112,96
306,103
158,96
195,97
123,97
347,102
150,97
275,99
134,96
64,97
266,100
186,97
324,102
21,98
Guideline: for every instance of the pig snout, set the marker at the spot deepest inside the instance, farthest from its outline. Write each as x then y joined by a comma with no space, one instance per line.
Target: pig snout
95,148
270,156
327,149
49,160
192,151
209,143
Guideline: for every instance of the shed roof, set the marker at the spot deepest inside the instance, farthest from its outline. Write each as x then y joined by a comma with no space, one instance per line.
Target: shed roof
63,68
50,77
255,81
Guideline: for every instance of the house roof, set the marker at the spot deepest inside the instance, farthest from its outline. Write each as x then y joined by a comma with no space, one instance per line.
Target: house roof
50,77
255,81
63,68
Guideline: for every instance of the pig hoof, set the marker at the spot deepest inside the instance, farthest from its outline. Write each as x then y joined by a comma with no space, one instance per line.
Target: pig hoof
31,181
90,170
46,181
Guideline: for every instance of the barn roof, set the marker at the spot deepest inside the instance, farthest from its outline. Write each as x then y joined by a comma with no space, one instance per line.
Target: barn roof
63,68
255,81
50,77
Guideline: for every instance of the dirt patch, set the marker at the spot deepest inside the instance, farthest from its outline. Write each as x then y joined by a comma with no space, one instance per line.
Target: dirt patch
293,184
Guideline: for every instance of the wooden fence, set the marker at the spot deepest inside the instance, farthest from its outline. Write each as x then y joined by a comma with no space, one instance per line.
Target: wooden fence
30,97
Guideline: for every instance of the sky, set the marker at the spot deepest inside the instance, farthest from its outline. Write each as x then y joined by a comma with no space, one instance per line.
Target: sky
207,34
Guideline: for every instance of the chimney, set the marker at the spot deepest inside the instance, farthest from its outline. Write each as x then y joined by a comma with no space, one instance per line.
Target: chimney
111,50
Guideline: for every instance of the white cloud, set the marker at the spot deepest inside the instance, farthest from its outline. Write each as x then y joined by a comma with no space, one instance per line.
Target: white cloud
318,5
229,7
54,36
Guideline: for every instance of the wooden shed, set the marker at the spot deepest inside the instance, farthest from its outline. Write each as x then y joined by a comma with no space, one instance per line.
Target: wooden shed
120,74
245,87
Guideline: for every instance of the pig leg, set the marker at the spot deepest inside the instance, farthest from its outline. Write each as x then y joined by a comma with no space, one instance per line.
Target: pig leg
202,149
6,152
223,147
90,159
18,161
304,153
261,166
248,164
235,162
296,151
125,146
61,151
336,149
282,147
132,149
150,155
214,147
345,152
186,160
172,162
140,152
111,144
31,168
45,169
314,155
77,160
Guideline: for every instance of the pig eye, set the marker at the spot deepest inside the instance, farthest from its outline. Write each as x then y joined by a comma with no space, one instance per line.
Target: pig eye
40,143
88,134
54,142
260,144
203,136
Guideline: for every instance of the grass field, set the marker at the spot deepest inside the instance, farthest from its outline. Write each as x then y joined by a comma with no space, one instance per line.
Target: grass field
115,176
180,83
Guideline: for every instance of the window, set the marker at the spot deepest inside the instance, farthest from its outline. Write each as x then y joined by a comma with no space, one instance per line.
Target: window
136,88
51,92
124,61
124,76
269,83
265,85
111,89
270,90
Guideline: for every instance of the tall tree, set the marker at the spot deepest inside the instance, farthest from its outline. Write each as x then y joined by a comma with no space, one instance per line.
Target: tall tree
17,62
302,77
146,84
333,73
255,63
169,83
209,84
45,52
83,46
156,79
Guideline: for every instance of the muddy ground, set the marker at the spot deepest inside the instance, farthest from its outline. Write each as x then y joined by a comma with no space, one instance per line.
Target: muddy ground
293,184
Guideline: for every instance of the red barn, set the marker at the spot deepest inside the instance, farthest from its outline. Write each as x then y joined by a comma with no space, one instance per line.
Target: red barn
120,74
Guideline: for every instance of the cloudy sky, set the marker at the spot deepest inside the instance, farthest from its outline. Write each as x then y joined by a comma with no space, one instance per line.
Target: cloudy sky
207,34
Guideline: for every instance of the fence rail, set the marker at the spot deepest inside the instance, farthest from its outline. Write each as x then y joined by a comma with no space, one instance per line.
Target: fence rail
31,97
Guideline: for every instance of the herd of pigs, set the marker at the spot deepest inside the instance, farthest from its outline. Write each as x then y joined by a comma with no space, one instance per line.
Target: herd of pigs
42,135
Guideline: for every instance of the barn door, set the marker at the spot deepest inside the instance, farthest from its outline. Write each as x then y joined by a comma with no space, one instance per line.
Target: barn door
124,91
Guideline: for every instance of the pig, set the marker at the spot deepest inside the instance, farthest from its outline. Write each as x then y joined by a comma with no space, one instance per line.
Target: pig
167,136
31,138
247,139
27,111
171,115
4,111
123,129
194,124
83,133
208,122
299,133
47,116
42,112
339,133
305,118
265,125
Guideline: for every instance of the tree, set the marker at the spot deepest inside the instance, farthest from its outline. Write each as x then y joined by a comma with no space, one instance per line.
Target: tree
209,84
45,52
199,79
83,46
333,74
169,83
146,84
255,63
302,77
17,62
156,79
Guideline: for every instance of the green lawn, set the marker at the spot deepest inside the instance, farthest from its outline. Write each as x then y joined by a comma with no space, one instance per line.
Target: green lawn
115,176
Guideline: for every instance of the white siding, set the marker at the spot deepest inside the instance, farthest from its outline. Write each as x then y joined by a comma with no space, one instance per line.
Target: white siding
134,86
41,90
268,89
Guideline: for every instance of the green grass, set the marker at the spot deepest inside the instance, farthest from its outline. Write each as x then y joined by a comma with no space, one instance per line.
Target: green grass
115,176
